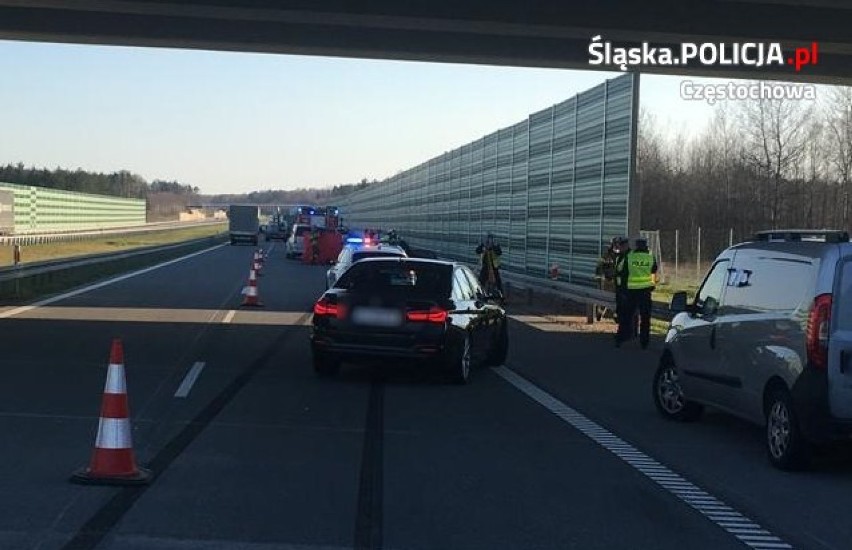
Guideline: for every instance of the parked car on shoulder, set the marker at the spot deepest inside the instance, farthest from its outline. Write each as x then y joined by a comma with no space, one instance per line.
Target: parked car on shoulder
768,338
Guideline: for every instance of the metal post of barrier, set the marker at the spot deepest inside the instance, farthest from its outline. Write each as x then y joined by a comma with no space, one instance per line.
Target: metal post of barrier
17,258
698,257
590,314
731,238
677,232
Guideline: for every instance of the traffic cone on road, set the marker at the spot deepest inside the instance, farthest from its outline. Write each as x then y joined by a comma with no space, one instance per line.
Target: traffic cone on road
257,264
251,295
112,461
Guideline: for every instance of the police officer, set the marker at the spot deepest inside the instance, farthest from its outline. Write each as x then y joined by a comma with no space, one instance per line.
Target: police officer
605,274
489,257
623,316
395,240
638,269
605,270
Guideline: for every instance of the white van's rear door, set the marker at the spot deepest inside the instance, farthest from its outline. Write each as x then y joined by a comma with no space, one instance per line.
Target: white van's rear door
840,344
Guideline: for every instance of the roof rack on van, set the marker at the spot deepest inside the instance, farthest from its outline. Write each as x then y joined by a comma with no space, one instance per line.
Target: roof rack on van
818,235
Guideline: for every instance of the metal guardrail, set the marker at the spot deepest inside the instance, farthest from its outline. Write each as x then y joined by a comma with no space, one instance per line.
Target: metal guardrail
31,270
27,239
576,293
588,296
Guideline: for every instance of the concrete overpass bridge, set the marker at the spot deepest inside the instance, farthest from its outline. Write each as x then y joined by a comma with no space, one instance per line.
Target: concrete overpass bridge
539,33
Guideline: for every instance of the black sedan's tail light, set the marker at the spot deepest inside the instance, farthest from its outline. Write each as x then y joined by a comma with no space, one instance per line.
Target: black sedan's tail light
432,315
326,308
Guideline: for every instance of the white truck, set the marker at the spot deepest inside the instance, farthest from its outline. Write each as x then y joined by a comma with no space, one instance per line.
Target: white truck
243,223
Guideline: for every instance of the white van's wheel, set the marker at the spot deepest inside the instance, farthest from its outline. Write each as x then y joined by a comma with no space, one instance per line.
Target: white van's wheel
668,394
785,445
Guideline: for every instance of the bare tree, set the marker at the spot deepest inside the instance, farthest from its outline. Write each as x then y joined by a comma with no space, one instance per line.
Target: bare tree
838,121
776,136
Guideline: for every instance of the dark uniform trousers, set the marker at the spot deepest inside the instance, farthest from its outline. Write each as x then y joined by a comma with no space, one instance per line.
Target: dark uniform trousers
623,313
639,299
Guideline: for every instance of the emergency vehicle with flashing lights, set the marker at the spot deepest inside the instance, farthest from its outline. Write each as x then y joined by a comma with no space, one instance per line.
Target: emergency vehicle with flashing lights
357,249
308,218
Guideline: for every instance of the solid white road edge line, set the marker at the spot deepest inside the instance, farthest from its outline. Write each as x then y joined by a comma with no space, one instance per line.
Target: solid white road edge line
718,512
83,290
189,379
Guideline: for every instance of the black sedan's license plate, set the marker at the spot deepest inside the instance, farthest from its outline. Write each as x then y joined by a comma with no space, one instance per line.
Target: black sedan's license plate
377,317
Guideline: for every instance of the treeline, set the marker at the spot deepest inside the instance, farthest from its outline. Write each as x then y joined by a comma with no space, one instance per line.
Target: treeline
758,165
120,184
324,196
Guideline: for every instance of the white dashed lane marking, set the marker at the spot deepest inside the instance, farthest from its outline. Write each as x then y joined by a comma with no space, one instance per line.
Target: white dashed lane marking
189,379
744,529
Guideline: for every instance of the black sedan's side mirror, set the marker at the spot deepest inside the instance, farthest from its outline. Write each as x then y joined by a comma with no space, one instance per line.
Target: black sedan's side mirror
679,303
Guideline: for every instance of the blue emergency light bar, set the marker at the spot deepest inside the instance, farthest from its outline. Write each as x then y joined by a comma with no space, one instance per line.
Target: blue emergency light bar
354,240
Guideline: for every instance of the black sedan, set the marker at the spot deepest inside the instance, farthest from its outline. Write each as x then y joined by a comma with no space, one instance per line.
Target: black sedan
412,310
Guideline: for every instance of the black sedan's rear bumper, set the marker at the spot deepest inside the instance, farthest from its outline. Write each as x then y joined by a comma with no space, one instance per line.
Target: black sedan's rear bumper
357,352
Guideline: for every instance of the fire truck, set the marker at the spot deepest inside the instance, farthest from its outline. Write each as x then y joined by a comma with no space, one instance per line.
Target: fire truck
307,219
325,217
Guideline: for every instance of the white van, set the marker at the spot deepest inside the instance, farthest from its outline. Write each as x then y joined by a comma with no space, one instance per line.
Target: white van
768,338
296,241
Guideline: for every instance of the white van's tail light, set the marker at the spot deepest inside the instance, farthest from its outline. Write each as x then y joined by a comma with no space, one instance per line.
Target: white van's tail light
819,322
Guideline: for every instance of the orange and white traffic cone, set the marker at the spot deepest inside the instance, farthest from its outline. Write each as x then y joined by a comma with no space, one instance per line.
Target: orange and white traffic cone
257,264
112,461
251,295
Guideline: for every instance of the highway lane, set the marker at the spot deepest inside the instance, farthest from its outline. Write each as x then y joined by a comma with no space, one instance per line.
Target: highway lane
262,454
719,453
54,370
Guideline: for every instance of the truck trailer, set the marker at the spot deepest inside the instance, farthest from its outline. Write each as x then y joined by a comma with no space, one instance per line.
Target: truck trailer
243,223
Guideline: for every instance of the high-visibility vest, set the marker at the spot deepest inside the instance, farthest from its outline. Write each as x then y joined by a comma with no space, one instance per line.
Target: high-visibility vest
639,265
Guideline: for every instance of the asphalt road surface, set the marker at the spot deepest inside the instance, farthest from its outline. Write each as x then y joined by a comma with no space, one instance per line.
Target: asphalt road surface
561,448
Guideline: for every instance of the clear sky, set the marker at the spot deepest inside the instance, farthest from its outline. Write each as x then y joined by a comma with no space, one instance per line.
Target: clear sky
237,122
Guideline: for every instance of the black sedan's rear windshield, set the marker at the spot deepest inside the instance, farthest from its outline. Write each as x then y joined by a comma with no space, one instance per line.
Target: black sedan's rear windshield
408,278
374,254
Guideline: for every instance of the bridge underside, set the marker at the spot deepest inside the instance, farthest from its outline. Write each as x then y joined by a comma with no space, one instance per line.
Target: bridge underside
504,32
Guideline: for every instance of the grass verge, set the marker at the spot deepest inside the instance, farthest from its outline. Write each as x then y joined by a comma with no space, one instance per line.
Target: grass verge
28,288
663,293
116,243
659,327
